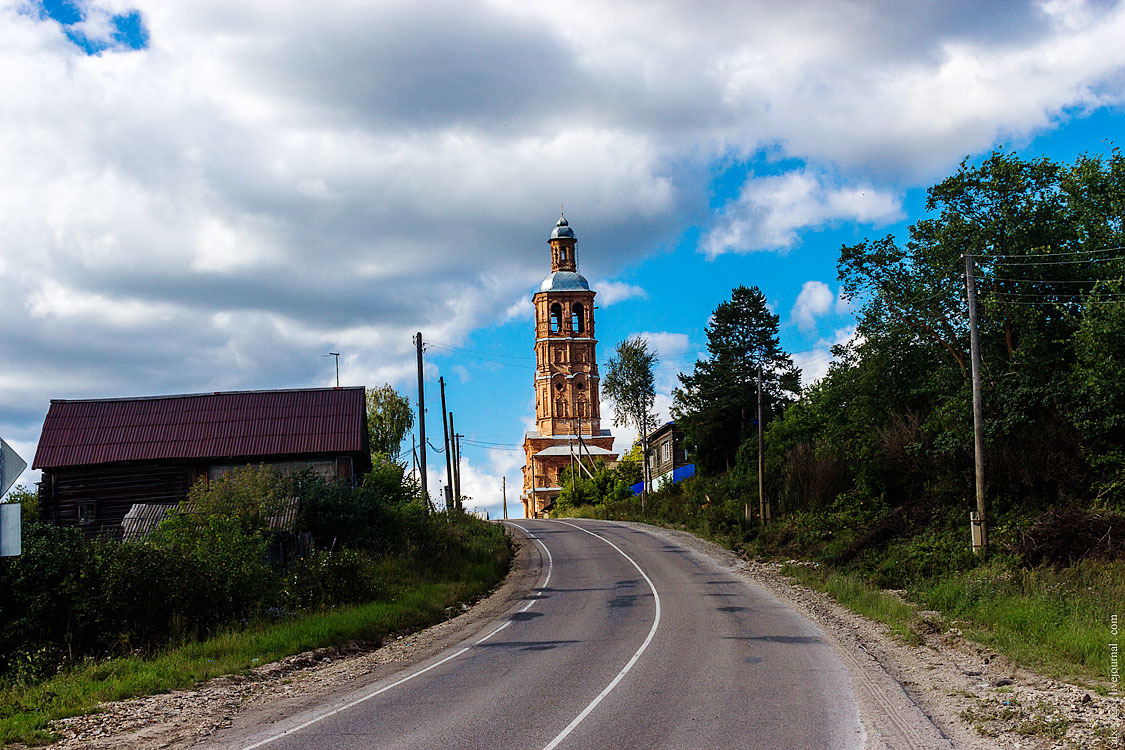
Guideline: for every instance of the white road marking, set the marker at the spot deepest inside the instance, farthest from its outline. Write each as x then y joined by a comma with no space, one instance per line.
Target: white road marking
411,676
624,670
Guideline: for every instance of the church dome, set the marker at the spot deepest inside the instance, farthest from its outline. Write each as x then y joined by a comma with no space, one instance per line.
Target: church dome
564,281
562,230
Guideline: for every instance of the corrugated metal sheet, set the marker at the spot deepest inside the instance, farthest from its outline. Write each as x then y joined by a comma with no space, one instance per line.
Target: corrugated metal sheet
142,520
240,424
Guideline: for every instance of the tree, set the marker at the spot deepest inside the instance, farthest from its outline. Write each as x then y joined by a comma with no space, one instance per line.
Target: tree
1042,237
716,403
389,418
630,385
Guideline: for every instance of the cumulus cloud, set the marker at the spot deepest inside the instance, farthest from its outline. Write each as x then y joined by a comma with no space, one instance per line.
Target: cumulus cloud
815,299
611,292
814,363
770,212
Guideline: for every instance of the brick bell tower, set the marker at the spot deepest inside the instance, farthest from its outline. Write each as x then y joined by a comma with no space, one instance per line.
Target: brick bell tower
567,409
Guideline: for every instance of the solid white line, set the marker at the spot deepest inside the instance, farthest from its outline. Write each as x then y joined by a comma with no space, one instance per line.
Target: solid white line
624,670
409,677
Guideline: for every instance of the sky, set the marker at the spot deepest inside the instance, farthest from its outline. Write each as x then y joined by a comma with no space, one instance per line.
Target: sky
202,195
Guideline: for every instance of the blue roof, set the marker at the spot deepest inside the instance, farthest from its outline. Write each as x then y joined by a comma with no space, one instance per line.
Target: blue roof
564,281
562,230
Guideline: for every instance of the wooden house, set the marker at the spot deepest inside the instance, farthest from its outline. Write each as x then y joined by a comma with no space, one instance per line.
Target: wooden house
101,457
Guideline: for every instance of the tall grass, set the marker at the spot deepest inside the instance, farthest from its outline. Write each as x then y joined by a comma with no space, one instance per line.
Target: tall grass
1055,621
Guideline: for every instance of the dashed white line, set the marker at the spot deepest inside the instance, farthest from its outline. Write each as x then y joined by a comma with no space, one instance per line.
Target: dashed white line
629,665
412,675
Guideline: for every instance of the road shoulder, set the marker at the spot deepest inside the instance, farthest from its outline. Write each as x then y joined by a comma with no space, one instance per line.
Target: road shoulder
936,694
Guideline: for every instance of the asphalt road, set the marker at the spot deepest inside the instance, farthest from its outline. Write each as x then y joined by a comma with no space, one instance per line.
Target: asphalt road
626,641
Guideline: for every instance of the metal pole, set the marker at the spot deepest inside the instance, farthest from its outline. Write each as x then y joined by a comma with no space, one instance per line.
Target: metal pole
422,421
761,455
978,406
448,457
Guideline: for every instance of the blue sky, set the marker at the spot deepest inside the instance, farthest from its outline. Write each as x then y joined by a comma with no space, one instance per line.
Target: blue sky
211,195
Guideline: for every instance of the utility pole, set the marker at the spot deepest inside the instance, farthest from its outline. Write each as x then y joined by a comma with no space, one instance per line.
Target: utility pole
455,441
422,421
413,456
978,406
763,508
448,456
504,494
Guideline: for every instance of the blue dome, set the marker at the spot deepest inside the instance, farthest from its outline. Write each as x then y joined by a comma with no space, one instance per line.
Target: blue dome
562,230
564,281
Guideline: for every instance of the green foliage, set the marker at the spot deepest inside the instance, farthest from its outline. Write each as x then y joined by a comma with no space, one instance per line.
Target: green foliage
716,404
382,515
628,383
251,494
206,567
605,486
29,499
389,418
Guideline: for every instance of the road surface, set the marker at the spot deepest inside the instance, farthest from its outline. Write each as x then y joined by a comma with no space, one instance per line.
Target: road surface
626,640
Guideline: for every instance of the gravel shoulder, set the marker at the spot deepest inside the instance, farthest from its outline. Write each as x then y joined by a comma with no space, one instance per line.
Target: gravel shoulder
947,692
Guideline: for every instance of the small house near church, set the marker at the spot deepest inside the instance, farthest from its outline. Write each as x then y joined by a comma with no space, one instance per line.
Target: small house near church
101,457
668,456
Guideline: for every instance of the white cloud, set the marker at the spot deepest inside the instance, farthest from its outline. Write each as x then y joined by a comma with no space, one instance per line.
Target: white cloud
814,364
771,211
815,299
611,292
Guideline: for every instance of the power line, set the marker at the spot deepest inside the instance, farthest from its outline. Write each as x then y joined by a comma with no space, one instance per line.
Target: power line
1050,255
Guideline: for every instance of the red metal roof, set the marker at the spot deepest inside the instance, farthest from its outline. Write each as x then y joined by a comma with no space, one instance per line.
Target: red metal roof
240,424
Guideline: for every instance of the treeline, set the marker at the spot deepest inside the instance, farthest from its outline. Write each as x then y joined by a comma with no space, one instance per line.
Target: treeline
877,457
208,567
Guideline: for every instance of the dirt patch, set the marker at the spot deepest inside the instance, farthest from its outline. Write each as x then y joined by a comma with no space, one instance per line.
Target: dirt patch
188,718
973,697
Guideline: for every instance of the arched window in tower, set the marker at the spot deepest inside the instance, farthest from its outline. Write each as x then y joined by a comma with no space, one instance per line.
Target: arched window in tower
556,318
581,408
560,408
577,318
562,254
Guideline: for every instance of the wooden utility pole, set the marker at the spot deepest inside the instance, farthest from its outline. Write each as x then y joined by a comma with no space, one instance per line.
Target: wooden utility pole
456,442
504,494
422,421
978,405
448,454
762,508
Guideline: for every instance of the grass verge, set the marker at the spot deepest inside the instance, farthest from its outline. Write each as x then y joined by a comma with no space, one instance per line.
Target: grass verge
1057,622
859,596
26,711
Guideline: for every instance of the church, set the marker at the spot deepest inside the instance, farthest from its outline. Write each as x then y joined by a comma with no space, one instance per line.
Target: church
567,409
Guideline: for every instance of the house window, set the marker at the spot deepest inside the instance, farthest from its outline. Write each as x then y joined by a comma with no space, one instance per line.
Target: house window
556,318
577,318
86,514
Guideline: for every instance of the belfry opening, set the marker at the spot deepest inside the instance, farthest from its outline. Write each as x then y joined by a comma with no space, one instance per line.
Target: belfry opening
567,410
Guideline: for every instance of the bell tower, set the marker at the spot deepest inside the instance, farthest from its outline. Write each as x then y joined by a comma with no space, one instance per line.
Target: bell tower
567,407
